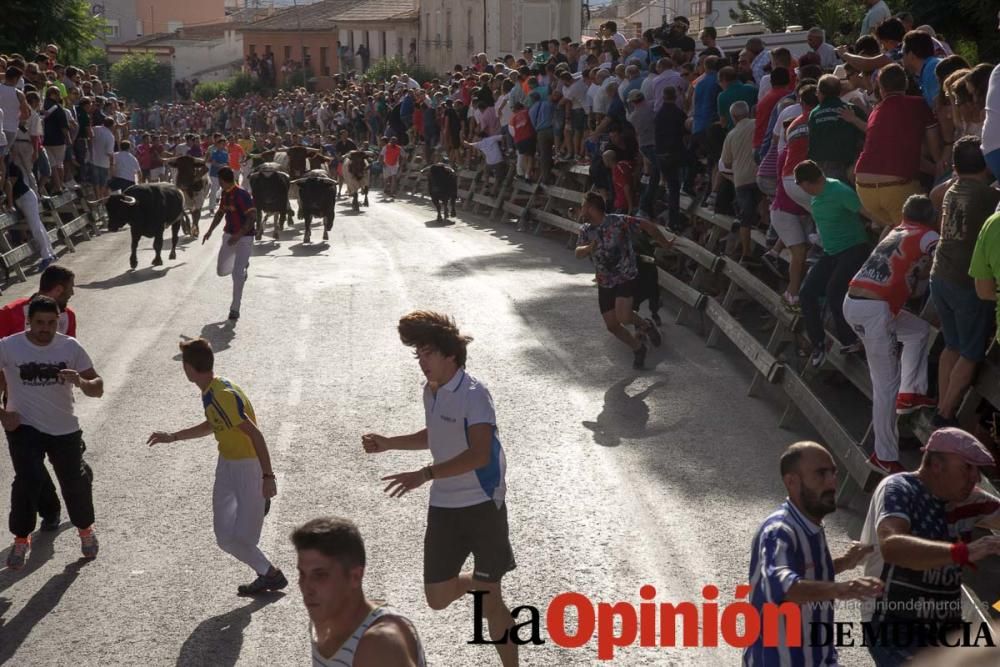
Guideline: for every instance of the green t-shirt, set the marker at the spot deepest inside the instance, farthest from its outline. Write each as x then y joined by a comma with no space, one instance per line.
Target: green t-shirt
985,263
735,92
832,139
836,212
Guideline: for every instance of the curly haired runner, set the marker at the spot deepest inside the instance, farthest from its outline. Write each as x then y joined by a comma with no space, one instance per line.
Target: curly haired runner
467,510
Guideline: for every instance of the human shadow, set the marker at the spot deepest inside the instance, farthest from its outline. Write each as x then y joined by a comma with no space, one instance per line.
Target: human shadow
265,246
219,334
447,222
42,550
132,277
303,249
217,641
16,631
623,416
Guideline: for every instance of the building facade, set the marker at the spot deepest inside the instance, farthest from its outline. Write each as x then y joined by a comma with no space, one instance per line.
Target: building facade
156,16
120,18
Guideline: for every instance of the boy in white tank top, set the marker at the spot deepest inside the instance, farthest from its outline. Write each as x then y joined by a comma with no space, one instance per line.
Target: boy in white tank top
346,628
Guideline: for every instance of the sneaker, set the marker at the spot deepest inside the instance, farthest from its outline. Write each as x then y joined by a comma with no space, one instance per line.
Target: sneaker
818,356
46,263
908,403
857,347
791,303
639,359
234,315
264,583
654,334
940,421
50,524
888,467
88,543
773,264
18,553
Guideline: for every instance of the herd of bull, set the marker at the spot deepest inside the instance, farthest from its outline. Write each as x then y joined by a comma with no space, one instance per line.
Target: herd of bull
150,208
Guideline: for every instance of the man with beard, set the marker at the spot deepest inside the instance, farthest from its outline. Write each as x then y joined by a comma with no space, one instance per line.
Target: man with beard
790,562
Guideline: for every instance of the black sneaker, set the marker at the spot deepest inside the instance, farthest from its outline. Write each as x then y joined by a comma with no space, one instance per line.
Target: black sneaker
654,334
639,358
50,524
940,421
263,584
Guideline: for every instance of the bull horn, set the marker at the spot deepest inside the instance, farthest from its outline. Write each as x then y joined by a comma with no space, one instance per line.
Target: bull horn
128,201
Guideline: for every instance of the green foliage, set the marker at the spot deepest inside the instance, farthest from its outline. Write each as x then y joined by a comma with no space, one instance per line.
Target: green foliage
240,85
300,78
141,78
383,69
968,49
31,24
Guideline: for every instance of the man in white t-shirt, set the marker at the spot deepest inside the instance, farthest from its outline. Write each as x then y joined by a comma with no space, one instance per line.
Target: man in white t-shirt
468,512
102,155
41,367
493,154
125,167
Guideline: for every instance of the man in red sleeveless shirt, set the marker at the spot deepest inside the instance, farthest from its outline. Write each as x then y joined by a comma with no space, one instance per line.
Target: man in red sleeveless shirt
897,269
57,283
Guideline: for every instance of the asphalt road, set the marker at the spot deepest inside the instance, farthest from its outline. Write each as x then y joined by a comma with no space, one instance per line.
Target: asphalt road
616,479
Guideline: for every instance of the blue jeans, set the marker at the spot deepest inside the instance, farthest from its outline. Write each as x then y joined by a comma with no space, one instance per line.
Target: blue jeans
648,198
965,318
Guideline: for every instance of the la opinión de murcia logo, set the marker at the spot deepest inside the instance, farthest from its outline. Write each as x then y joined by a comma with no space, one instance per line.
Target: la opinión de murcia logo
705,624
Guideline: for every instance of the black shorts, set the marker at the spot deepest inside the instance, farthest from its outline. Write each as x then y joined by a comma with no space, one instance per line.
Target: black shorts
455,532
606,296
526,147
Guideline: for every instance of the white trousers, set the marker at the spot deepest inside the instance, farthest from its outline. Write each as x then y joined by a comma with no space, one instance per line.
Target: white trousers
235,260
880,332
28,205
213,191
238,510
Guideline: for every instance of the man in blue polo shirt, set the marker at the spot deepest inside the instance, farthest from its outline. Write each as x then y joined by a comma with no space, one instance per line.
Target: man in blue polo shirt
791,562
920,61
467,511
218,157
237,238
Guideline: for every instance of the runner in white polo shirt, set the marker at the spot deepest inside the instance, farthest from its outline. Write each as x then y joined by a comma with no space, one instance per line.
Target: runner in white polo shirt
467,511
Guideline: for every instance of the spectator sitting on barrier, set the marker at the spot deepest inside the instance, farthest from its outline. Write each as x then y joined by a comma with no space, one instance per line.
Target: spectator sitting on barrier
919,544
836,210
790,561
737,154
965,318
893,274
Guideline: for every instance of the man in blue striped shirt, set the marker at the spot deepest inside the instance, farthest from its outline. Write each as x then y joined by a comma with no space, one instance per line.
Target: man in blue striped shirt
790,562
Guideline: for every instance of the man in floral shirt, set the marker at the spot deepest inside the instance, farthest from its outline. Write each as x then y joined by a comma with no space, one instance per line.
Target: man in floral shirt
608,239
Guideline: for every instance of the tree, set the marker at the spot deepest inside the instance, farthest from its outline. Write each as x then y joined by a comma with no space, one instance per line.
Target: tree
140,78
31,24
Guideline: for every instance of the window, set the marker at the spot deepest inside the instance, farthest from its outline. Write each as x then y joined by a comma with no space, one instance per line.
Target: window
288,53
174,26
138,28
468,28
267,49
114,29
253,50
385,52
324,69
447,27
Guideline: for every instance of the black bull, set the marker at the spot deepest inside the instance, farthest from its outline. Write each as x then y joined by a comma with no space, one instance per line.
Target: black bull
317,196
148,209
443,188
270,195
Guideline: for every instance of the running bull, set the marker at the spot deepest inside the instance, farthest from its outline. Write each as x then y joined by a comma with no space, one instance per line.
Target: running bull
356,177
443,187
269,186
317,196
148,209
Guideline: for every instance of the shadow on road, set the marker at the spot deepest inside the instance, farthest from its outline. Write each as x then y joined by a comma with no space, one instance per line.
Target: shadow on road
623,415
301,249
219,334
42,550
131,277
447,222
217,641
14,632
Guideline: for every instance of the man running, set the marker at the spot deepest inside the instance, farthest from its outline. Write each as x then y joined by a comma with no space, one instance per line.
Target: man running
41,367
347,629
237,235
608,239
244,480
467,511
56,283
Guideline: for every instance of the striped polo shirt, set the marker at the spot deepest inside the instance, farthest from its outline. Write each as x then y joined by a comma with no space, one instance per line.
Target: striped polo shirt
789,547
